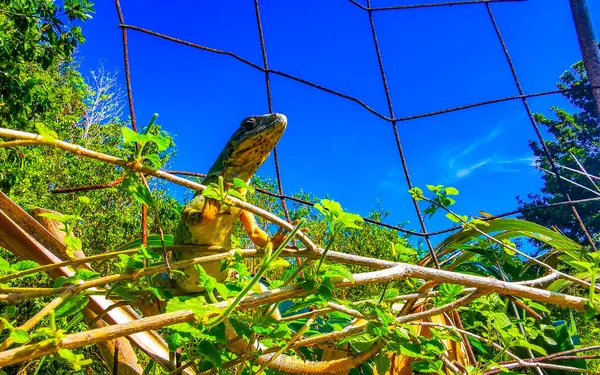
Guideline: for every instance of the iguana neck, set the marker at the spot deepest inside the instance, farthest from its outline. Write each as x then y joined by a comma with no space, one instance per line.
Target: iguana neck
248,148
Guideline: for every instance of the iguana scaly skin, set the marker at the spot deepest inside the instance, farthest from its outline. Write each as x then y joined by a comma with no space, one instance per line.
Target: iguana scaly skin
203,223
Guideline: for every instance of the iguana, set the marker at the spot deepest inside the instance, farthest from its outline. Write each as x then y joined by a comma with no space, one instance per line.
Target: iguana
203,223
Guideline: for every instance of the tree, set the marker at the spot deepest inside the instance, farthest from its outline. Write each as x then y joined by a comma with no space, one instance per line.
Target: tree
37,80
106,101
576,140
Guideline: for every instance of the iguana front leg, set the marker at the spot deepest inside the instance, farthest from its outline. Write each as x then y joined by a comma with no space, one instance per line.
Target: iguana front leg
258,236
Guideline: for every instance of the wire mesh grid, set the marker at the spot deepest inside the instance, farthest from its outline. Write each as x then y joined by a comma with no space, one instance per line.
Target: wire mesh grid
389,117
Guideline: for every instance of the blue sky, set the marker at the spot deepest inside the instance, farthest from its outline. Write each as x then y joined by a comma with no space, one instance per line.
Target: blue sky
435,58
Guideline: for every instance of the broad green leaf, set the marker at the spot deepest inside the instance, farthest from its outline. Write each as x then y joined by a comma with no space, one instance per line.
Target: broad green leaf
211,193
153,241
581,266
279,263
19,336
538,306
24,265
85,274
54,216
531,346
337,272
154,159
348,220
67,354
363,342
239,183
222,289
161,143
196,304
47,133
236,194
429,366
331,205
143,196
4,265
449,291
210,353
73,243
130,136
413,350
71,306
382,363
391,293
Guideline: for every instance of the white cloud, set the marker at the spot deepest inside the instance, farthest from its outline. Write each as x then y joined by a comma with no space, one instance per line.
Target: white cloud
461,165
466,171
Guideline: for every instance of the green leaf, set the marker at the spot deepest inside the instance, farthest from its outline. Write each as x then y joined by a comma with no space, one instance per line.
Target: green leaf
19,336
428,366
448,293
24,265
67,354
348,220
210,353
531,346
4,265
211,192
84,200
162,143
197,304
153,241
416,193
54,216
382,362
73,243
71,306
222,289
331,206
413,350
537,306
391,293
454,218
239,183
130,136
47,133
154,159
363,342
279,263
143,196
337,272
236,194
85,274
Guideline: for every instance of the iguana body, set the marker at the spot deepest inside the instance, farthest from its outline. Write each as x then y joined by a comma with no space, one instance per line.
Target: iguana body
203,223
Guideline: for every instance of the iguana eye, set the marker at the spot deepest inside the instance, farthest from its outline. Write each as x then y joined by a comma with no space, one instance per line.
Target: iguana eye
249,122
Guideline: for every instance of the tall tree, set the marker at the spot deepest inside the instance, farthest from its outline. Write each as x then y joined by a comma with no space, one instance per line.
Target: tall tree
576,139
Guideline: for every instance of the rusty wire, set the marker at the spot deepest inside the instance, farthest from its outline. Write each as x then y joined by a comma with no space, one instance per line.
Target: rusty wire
397,136
547,153
342,95
431,5
389,118
131,107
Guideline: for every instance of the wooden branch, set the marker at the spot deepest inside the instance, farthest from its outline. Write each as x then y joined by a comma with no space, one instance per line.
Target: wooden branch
76,340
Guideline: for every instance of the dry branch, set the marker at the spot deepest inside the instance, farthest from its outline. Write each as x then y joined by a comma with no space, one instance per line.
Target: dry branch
76,340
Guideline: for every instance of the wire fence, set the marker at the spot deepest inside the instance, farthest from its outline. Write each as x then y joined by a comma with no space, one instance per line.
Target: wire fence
390,116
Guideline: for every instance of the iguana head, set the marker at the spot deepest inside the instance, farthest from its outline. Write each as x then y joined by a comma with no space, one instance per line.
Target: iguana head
248,147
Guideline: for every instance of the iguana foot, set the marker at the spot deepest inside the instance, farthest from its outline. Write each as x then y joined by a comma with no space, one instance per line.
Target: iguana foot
279,237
